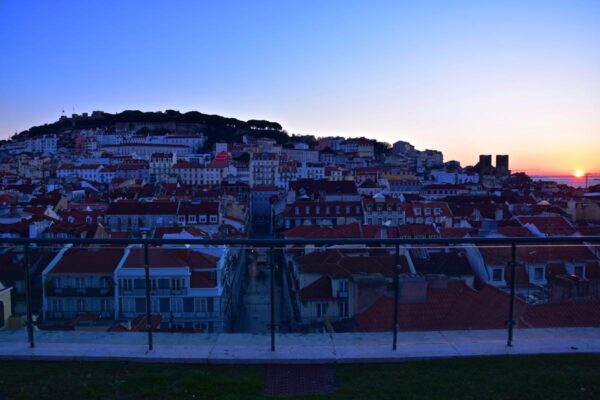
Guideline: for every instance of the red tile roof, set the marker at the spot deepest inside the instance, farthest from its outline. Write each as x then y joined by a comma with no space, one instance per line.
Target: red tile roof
335,263
88,261
549,225
514,231
318,290
165,257
456,307
137,208
457,232
536,253
323,232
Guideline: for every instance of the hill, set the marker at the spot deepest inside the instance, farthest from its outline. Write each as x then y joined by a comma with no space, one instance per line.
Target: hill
215,127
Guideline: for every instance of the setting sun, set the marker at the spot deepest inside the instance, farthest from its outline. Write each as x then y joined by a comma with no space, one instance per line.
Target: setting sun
579,173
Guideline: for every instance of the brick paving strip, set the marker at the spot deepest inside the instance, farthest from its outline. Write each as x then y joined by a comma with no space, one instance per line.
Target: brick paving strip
299,379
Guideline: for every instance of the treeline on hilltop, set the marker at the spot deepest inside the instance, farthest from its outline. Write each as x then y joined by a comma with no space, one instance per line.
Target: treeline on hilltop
215,127
228,129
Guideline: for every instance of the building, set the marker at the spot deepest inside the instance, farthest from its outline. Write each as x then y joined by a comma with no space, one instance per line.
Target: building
89,172
47,144
383,210
428,213
485,164
264,169
186,288
135,217
161,166
502,168
80,281
5,305
321,213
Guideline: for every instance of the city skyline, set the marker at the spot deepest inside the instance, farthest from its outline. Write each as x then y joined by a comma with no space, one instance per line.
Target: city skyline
466,79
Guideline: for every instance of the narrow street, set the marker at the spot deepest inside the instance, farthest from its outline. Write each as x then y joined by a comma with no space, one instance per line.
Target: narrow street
255,312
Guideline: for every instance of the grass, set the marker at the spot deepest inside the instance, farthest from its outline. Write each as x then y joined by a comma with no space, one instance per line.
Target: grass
531,377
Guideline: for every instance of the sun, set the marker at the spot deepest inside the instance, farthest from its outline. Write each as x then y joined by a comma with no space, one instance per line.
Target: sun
579,173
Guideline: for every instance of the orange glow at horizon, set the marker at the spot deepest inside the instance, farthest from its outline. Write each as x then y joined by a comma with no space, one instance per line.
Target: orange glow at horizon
579,173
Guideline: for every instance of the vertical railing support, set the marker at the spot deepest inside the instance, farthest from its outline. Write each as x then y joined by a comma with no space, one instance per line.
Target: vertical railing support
511,309
396,295
148,311
272,294
28,299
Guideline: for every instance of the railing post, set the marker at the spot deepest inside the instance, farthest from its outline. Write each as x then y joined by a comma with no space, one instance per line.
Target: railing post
27,285
511,310
148,311
272,293
396,295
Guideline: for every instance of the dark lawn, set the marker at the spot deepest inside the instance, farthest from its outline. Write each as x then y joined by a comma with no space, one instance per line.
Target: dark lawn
533,377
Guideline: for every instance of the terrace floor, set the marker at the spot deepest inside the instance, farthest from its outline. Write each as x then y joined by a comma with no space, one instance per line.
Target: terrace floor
294,348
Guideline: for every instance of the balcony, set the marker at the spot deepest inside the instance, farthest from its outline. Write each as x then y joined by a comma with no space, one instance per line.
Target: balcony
79,292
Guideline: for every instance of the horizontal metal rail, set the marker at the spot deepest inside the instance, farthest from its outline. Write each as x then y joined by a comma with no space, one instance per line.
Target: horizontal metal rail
333,241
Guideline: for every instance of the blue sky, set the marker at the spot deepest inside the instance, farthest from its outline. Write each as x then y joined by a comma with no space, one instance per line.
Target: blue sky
519,77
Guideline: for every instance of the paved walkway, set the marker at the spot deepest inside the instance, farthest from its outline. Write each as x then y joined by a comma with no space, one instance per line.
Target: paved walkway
295,348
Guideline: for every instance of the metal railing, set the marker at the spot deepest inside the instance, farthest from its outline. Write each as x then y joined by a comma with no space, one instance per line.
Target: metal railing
271,244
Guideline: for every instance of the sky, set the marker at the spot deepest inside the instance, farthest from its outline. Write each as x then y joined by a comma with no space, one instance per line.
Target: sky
464,77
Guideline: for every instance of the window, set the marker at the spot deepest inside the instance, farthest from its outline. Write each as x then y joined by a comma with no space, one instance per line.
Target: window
192,219
213,219
343,286
163,284
176,284
181,219
105,305
56,305
427,211
337,209
188,304
539,274
79,283
165,305
203,219
154,305
497,275
177,305
80,305
200,304
343,309
417,211
579,271
127,284
139,284
437,211
321,309
140,304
